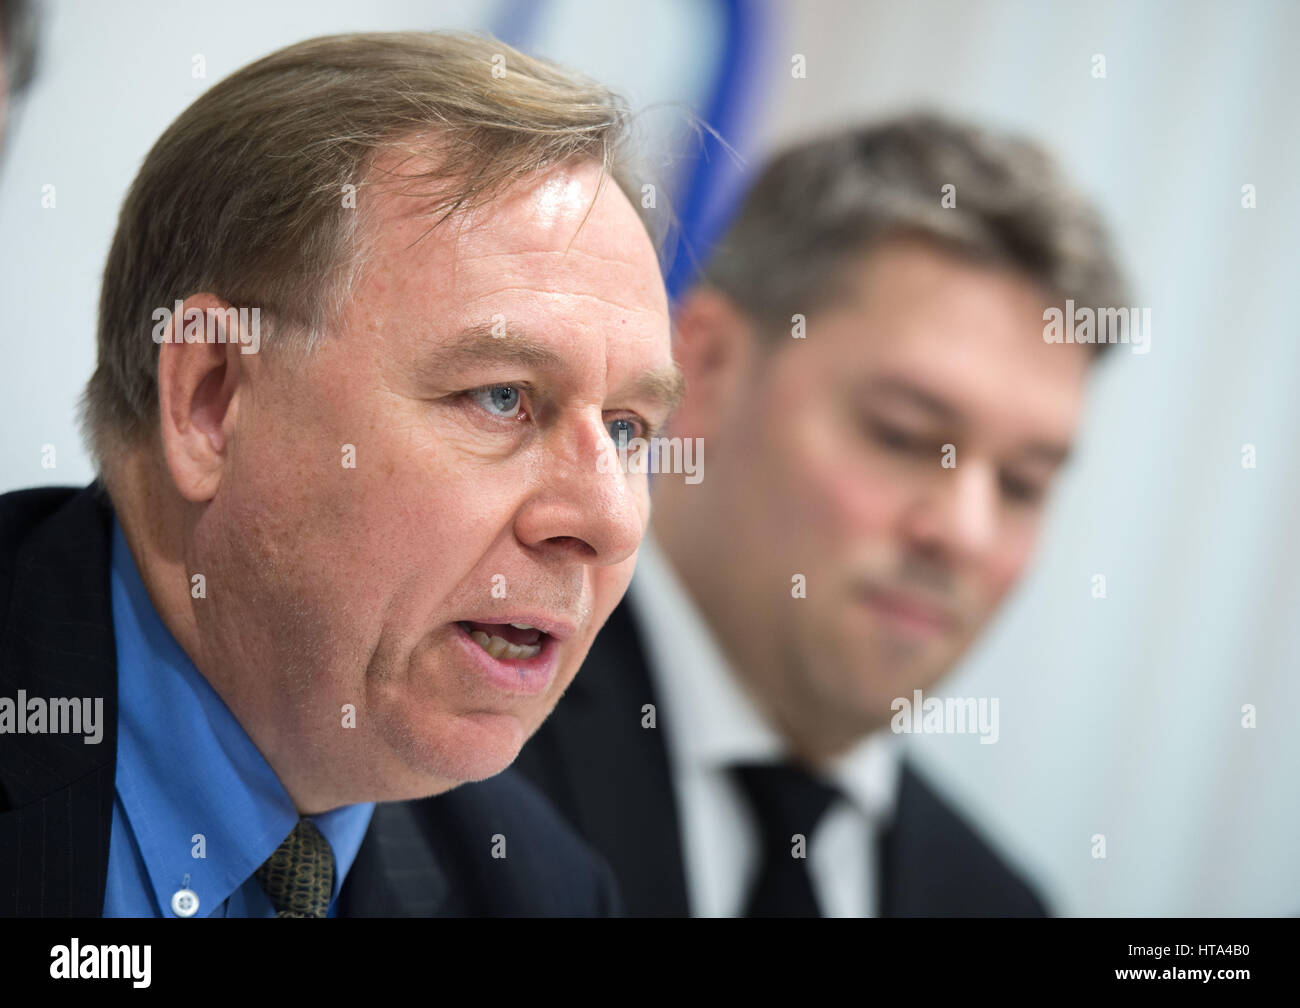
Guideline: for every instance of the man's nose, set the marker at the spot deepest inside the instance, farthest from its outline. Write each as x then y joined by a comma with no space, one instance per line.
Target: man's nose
585,502
956,513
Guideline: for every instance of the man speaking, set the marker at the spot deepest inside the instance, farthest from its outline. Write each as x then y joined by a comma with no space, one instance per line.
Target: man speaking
374,305
883,419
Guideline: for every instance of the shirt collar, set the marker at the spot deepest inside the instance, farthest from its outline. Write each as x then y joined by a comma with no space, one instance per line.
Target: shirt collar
711,718
190,780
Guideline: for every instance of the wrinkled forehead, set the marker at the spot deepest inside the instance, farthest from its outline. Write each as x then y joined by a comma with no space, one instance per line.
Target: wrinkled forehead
555,278
567,229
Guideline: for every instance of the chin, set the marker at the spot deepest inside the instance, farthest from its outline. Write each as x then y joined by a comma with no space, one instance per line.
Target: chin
861,698
468,747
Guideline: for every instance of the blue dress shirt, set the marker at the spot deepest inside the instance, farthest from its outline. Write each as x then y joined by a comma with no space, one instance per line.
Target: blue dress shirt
190,782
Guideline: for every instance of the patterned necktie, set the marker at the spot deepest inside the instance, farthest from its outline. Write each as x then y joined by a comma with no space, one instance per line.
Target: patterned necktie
299,876
786,800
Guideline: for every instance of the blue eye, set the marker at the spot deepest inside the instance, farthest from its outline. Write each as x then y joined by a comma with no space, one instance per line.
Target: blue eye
499,400
623,429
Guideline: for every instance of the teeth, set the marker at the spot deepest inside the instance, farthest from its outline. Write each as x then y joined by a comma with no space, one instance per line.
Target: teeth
523,626
499,648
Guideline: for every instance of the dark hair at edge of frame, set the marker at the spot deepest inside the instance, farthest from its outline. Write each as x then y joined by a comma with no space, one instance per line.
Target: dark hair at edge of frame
18,39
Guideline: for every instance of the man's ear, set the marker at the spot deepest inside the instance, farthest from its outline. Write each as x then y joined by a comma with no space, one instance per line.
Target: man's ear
715,348
198,386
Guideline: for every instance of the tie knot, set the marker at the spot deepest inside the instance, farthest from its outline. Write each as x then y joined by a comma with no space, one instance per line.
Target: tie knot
786,799
299,876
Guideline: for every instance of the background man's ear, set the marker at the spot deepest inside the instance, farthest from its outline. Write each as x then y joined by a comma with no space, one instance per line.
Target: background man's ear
198,386
714,344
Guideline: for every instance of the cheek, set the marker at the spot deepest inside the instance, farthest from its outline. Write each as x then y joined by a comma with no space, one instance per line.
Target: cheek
866,503
834,483
380,505
608,586
425,536
1008,561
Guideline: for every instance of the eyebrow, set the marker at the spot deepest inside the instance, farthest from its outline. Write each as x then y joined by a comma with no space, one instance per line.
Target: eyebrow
479,345
902,389
1049,452
664,387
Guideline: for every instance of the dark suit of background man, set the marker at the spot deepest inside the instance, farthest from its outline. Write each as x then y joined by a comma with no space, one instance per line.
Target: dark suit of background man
879,298
351,542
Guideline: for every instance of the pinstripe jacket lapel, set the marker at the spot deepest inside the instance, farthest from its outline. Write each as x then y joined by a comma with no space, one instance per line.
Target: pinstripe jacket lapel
56,791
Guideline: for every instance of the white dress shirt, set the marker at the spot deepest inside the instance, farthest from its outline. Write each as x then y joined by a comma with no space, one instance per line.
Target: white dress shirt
709,722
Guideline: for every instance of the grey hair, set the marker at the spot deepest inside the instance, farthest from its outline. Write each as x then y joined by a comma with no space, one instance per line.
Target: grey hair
820,204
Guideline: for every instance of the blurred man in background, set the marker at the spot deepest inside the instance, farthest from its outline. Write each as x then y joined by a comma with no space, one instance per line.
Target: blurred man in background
866,365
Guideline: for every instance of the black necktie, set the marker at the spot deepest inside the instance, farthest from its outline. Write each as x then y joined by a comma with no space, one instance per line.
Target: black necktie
786,800
299,876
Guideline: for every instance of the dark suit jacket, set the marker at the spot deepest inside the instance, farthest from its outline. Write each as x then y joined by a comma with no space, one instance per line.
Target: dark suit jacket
427,857
612,778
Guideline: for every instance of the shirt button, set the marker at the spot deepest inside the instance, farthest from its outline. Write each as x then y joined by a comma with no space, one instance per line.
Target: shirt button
185,902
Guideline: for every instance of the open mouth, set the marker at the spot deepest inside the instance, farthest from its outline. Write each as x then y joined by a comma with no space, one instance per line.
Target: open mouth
506,641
